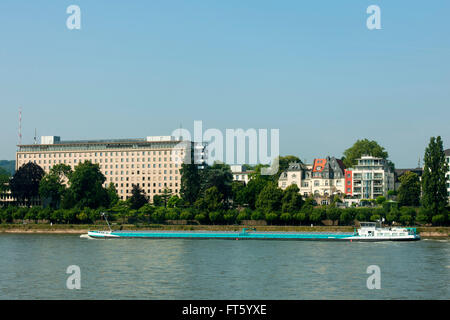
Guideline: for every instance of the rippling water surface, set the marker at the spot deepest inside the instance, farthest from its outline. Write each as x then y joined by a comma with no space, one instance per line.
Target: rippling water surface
34,267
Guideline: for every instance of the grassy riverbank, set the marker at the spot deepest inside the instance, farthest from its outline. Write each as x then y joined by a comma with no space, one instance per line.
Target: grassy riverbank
426,232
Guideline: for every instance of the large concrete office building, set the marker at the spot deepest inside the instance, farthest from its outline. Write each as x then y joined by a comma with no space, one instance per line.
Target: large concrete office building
152,163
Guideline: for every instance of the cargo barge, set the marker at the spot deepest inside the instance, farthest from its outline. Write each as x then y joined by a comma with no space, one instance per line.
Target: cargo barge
367,232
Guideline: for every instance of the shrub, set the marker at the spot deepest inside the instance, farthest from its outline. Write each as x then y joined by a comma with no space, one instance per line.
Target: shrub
186,215
257,215
422,218
69,215
215,217
375,217
438,219
243,215
45,214
172,214
200,217
300,216
57,216
317,215
82,217
20,213
393,215
405,218
380,200
345,217
159,215
230,216
286,217
271,217
333,213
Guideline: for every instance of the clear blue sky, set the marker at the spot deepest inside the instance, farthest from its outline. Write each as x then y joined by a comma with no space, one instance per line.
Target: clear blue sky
309,68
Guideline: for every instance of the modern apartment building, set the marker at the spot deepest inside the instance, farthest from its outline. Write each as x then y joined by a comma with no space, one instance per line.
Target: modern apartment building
372,177
153,163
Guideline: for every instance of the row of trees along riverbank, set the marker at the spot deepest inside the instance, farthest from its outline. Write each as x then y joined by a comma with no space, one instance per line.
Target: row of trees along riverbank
148,214
211,196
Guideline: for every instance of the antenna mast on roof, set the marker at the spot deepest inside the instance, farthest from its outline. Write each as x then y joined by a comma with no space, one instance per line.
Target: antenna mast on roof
20,125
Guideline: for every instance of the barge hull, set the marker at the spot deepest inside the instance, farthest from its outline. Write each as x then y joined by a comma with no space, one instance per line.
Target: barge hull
251,236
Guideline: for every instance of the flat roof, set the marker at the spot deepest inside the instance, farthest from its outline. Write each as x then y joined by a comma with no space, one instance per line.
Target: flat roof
90,145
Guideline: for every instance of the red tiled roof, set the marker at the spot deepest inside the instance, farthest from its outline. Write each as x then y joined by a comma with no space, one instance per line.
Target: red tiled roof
319,163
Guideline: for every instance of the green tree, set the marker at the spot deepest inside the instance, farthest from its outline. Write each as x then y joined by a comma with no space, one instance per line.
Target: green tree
215,217
301,216
253,189
238,192
174,202
424,216
138,198
433,179
4,181
286,217
173,214
380,200
393,215
218,175
213,199
113,197
409,190
63,171
391,194
362,147
292,200
243,215
159,215
190,182
200,217
158,201
186,214
24,185
257,215
333,213
86,186
269,199
165,196
317,215
438,219
52,186
345,218
230,216
271,217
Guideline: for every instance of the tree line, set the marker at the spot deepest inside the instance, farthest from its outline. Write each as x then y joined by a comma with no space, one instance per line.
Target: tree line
209,195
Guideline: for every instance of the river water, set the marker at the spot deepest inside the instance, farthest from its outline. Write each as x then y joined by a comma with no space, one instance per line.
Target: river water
34,267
